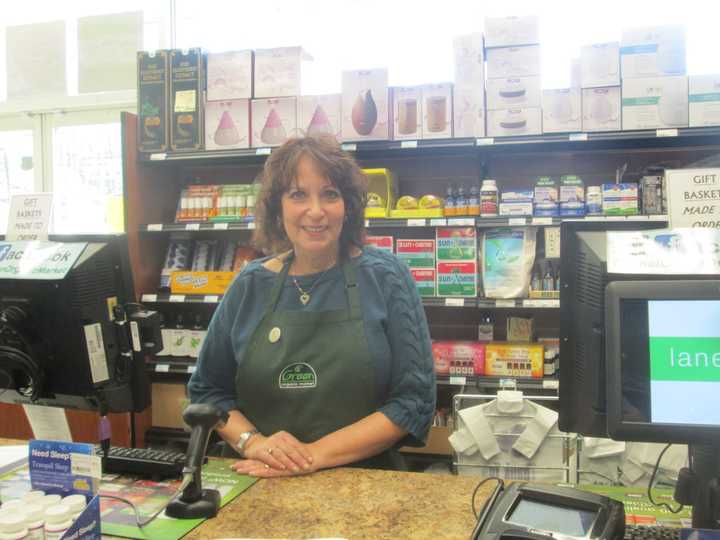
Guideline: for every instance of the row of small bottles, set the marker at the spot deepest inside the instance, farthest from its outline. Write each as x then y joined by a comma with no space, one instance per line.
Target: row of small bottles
545,277
39,516
476,201
183,334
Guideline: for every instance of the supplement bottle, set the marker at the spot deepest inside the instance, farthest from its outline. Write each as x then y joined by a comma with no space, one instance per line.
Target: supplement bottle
12,527
488,199
57,521
35,521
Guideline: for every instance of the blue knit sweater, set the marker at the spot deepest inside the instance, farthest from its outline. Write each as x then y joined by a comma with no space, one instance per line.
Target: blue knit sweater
395,326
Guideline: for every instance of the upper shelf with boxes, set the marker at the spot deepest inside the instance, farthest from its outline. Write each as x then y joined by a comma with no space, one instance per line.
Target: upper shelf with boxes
247,102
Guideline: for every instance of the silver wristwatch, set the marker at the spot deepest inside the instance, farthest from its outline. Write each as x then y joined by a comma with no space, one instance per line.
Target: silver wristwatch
243,440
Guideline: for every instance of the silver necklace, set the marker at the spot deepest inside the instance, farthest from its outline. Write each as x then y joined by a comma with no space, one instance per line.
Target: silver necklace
305,295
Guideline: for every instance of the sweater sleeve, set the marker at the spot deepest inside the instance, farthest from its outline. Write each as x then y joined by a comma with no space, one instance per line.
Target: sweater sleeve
411,400
213,381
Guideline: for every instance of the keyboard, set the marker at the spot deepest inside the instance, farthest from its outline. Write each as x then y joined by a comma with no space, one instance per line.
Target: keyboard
644,532
142,461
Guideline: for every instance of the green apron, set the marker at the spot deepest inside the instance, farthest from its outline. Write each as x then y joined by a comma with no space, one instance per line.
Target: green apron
310,373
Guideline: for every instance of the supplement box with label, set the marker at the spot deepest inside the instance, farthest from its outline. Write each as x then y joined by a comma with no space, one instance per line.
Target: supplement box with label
620,199
572,196
514,359
459,357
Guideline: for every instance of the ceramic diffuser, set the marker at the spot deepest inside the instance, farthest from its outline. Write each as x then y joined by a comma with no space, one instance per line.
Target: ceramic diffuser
320,123
226,133
364,113
273,132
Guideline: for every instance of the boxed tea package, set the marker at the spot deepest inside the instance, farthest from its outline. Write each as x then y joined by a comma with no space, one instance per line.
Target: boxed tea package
152,108
187,83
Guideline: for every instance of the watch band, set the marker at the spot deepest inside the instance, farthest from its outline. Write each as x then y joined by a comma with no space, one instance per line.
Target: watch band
243,440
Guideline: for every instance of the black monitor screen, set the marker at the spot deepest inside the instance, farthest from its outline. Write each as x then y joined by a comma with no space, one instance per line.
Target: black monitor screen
672,351
552,517
664,360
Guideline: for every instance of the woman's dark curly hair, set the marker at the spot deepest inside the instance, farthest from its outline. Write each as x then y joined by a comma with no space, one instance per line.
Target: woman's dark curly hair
279,175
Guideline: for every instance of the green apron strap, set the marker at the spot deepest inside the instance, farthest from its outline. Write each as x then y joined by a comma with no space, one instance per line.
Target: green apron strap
351,287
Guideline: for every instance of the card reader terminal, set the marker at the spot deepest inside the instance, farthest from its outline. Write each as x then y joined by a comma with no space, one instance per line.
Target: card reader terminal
539,512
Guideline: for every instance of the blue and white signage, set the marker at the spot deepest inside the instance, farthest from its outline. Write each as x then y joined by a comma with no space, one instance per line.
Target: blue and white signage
38,260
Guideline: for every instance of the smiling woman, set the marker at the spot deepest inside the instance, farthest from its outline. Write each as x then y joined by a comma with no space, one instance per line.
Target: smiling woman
320,352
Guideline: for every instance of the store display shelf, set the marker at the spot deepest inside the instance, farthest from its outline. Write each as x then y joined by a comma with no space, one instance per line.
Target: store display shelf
197,226
483,222
169,298
577,141
500,383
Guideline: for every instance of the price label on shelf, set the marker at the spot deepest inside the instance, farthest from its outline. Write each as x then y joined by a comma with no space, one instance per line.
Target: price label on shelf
251,225
263,151
459,381
367,222
408,144
349,147
415,222
595,218
191,369
486,141
514,221
551,384
508,383
155,227
615,218
542,221
438,222
192,226
666,133
461,222
455,302
221,226
212,298
158,157
578,137
162,368
541,303
505,303
176,298
148,298
638,218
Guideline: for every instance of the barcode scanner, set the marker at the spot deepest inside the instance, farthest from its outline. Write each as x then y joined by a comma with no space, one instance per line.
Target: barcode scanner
196,502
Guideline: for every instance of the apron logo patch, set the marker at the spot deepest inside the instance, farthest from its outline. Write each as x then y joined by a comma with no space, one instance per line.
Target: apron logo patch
298,375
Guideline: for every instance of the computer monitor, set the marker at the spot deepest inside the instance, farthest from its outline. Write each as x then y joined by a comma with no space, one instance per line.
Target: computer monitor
584,276
61,340
663,374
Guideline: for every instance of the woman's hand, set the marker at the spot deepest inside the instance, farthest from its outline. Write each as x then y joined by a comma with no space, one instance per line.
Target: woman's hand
280,451
254,467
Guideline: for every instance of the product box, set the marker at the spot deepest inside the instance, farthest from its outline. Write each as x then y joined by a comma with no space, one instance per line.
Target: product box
425,280
620,199
515,360
655,102
153,88
510,62
545,200
407,112
365,106
601,109
273,121
600,65
509,31
469,60
520,329
459,357
572,196
437,111
229,75
652,51
575,73
456,243
653,195
201,282
516,93
187,83
276,72
509,122
562,110
457,279
319,114
382,192
469,111
521,195
416,253
513,209
384,243
227,124
704,100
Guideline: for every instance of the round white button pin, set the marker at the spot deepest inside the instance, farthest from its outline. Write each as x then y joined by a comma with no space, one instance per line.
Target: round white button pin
274,335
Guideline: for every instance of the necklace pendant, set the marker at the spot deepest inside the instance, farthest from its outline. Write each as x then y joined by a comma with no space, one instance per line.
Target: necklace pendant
304,298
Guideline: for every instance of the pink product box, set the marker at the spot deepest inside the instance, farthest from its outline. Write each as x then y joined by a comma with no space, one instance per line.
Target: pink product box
227,124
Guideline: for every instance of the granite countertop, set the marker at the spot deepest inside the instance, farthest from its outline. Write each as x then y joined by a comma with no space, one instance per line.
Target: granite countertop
351,503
